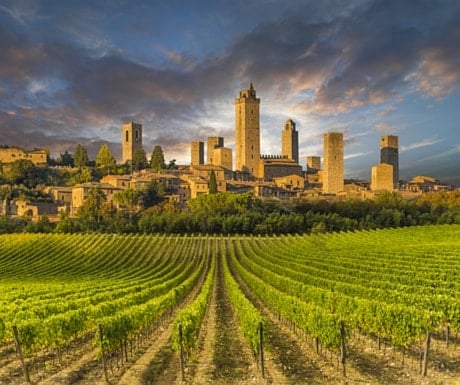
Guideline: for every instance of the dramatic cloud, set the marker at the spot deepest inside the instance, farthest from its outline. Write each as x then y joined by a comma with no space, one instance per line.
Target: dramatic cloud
67,80
382,127
422,143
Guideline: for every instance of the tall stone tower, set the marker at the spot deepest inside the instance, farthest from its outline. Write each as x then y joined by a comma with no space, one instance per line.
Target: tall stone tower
213,142
197,153
131,139
290,141
333,163
247,131
389,154
382,177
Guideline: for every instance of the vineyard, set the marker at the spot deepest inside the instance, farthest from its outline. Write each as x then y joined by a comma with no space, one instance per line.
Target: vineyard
372,307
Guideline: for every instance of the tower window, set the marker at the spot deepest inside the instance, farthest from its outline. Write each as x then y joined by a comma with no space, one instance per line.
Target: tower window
127,135
137,135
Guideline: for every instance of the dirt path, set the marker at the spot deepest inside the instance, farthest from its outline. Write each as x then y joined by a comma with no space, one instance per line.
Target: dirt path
203,365
158,351
232,361
222,356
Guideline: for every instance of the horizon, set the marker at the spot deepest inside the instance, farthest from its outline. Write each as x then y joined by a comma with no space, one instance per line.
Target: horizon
366,69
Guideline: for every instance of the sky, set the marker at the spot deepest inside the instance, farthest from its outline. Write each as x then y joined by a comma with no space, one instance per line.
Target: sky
72,72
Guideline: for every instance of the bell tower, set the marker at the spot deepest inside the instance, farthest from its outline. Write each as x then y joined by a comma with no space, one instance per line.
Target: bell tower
131,139
247,131
290,141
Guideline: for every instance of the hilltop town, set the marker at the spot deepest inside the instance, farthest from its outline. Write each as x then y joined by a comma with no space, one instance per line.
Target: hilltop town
279,176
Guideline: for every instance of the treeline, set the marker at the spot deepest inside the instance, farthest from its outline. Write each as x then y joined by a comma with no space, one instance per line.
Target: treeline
229,213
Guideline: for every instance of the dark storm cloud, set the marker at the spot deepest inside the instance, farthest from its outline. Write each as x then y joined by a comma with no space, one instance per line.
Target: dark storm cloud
355,55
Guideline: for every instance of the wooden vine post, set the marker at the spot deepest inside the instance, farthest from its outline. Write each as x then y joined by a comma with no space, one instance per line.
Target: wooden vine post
104,361
181,354
425,354
261,349
343,349
447,335
21,355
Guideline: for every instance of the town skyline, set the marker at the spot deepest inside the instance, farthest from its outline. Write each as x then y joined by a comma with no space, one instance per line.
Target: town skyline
367,69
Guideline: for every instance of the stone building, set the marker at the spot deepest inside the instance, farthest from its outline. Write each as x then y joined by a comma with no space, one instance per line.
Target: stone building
119,181
11,154
290,182
223,158
81,191
62,195
35,210
204,171
333,163
389,155
212,143
247,131
131,140
290,141
313,164
197,153
275,166
382,177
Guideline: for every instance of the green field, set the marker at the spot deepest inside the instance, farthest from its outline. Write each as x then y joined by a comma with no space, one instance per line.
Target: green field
397,284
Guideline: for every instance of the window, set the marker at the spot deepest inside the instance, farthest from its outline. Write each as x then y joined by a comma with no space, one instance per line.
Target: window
127,136
137,135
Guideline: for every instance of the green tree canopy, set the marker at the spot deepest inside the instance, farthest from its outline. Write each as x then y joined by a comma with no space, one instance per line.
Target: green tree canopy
129,198
212,183
65,159
157,162
105,160
80,157
139,161
151,194
93,210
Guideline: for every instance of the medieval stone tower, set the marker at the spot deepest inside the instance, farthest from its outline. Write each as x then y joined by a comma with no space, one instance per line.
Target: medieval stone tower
247,131
290,141
213,142
389,155
333,163
197,153
131,140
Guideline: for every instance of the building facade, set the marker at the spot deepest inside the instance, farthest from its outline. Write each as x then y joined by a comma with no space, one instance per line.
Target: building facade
247,131
333,163
197,153
11,154
213,142
290,141
313,164
389,155
276,166
131,140
382,177
223,158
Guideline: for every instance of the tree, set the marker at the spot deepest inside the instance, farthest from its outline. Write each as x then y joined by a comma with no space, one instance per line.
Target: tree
151,195
80,157
157,162
128,198
93,210
212,183
172,165
105,160
21,171
66,159
139,161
